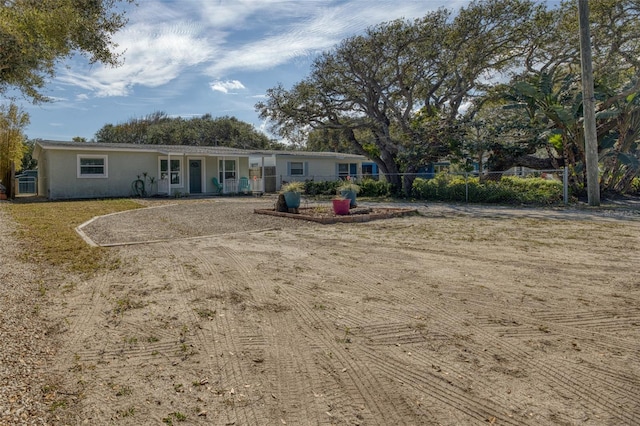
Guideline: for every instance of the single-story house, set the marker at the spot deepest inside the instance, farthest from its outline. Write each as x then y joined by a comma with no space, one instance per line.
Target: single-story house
286,166
73,170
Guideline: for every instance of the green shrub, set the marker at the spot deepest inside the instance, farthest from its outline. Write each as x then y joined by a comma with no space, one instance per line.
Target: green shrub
635,186
294,186
509,189
374,188
321,187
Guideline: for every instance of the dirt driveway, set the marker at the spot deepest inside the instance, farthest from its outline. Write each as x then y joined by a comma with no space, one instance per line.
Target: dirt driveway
461,315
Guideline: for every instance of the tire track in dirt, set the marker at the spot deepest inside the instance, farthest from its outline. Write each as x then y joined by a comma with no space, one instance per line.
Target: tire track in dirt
627,386
405,335
134,348
350,390
607,379
281,364
89,313
444,390
603,322
570,383
534,325
362,380
90,309
216,338
427,373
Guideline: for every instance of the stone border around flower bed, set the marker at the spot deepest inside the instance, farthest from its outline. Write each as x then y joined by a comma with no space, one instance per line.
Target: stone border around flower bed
388,213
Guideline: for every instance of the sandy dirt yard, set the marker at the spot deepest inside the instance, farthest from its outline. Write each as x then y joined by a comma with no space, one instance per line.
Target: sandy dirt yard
460,315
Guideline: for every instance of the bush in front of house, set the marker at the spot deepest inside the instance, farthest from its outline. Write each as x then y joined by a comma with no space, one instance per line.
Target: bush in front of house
374,188
534,190
508,190
368,187
312,187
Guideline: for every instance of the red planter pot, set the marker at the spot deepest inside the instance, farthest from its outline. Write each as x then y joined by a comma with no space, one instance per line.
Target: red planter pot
341,207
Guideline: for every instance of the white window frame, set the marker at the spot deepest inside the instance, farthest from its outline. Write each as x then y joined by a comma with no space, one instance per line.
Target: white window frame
342,174
174,172
224,172
303,171
105,166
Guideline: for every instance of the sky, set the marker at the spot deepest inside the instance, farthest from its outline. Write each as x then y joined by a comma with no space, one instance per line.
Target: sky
193,57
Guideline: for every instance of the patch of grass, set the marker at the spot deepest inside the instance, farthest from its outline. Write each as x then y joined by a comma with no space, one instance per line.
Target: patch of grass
123,390
177,416
126,304
47,231
131,341
59,404
205,313
129,412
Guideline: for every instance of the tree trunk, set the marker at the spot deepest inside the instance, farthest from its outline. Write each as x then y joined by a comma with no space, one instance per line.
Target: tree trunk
504,163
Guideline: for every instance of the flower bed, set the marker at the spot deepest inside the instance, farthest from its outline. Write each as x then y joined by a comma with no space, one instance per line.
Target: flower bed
325,215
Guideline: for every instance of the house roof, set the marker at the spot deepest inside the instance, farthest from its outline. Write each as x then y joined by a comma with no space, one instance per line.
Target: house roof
311,154
182,150
162,149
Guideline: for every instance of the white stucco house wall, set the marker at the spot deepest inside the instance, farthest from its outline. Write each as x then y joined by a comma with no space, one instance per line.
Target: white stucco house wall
71,170
79,170
288,166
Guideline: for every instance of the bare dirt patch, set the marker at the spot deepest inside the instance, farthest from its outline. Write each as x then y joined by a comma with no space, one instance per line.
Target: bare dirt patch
459,315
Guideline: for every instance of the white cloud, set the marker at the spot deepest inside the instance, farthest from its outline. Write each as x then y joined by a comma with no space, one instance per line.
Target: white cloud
225,86
159,44
167,40
310,28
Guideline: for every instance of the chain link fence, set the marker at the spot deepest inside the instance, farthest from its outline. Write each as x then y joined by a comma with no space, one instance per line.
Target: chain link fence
516,186
548,187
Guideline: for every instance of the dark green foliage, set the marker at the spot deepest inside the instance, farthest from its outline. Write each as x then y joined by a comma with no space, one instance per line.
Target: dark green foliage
395,92
35,36
635,186
509,190
160,129
368,188
374,188
312,187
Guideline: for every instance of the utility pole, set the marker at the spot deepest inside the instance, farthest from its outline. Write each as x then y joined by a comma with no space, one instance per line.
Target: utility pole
589,107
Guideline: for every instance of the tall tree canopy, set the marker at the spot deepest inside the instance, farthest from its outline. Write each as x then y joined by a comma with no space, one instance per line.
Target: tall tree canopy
12,123
160,129
549,94
36,34
395,92
409,93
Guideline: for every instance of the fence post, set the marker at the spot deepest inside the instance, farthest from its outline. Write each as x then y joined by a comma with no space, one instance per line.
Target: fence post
466,186
565,185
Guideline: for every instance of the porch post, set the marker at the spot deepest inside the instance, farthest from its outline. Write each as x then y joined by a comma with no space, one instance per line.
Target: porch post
223,176
262,185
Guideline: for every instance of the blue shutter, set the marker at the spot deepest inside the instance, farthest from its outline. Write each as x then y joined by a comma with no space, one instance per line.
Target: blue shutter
306,168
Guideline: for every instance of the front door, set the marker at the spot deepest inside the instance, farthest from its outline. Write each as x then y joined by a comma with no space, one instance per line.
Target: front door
195,176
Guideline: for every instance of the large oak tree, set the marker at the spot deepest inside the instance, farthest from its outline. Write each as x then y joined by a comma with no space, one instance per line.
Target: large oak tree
35,36
395,92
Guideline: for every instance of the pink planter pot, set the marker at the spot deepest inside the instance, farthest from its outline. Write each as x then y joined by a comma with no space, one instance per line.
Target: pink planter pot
341,207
